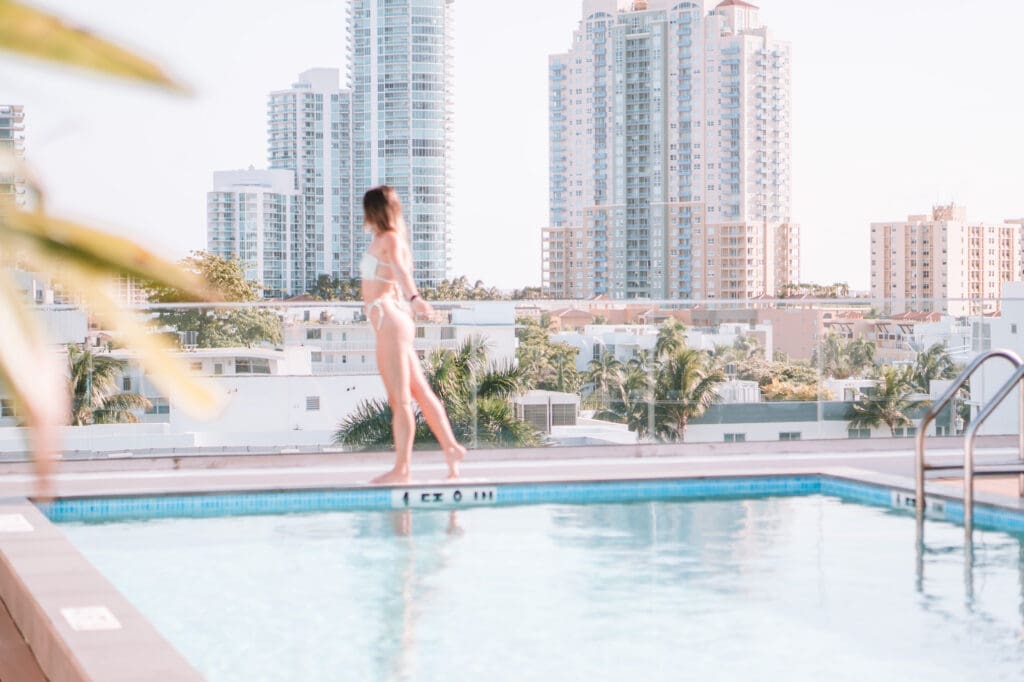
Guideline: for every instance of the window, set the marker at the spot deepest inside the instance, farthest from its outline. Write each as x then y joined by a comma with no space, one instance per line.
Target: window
196,366
316,356
218,368
312,403
126,383
6,407
312,333
735,438
158,406
252,365
421,332
789,435
447,333
859,433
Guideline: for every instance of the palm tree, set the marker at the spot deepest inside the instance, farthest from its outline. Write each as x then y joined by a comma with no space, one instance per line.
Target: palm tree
933,364
95,396
889,404
684,390
603,373
861,354
671,338
474,393
80,257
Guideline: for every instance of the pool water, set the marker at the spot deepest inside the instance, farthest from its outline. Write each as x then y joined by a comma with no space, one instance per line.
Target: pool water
778,588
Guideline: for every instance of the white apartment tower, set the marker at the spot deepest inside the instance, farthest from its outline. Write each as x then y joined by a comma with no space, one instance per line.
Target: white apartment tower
401,57
254,216
944,257
670,155
308,133
12,141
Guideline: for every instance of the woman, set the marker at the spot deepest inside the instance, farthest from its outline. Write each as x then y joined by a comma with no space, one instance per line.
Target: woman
386,270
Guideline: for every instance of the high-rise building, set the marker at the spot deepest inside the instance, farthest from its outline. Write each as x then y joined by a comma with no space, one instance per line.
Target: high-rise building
307,133
255,216
12,141
942,262
670,155
401,57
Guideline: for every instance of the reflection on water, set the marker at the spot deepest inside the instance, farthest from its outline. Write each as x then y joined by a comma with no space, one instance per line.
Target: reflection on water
796,588
415,564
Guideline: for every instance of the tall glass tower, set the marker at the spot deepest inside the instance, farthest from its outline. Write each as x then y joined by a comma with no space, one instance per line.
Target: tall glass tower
670,154
401,71
307,133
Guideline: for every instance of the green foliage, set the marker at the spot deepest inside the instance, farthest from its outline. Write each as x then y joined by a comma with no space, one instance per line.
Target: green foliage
889,403
933,364
837,290
668,387
329,288
845,358
95,396
219,327
546,365
475,394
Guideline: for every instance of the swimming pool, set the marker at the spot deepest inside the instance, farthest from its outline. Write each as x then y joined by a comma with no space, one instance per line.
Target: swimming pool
794,585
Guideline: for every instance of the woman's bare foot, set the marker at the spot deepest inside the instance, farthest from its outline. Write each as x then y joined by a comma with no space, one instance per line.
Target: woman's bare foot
393,476
453,456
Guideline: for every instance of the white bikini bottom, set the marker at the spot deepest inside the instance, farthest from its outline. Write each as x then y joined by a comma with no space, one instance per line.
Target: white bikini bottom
378,304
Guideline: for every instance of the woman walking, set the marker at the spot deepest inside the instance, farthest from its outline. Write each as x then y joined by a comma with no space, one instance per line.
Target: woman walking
388,291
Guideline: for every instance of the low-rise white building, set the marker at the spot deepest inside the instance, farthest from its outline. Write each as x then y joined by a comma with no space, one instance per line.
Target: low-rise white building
341,341
1003,331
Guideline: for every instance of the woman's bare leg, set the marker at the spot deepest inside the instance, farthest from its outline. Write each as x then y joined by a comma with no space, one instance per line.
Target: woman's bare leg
437,418
392,349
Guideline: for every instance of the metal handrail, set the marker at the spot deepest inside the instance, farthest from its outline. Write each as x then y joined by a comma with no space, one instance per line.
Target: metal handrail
944,400
972,432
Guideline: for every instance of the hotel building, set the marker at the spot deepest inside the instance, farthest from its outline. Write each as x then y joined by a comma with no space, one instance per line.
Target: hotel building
670,155
308,134
401,57
255,217
943,256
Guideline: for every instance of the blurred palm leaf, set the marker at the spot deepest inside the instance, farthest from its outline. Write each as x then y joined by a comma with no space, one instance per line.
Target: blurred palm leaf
34,33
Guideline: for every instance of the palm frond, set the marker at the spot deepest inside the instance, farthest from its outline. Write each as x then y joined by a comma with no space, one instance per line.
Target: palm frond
368,426
35,33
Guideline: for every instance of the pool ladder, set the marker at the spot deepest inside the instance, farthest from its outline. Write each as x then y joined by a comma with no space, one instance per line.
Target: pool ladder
970,470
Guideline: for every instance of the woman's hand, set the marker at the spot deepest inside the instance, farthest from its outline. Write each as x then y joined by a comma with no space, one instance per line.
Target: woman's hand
422,307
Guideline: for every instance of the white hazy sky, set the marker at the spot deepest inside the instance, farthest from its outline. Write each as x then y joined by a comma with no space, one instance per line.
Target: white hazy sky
896,106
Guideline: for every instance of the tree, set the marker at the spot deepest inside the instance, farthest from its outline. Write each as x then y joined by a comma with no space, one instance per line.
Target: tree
684,389
603,373
95,395
330,288
889,403
842,358
219,327
671,338
474,393
933,364
546,365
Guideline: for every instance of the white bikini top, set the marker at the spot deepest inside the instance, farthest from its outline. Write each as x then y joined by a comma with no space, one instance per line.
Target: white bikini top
370,269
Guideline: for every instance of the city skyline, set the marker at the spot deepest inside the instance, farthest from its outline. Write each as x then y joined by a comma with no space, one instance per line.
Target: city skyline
879,128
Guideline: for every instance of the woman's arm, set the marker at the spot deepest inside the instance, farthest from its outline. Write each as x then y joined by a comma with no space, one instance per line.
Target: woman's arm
401,259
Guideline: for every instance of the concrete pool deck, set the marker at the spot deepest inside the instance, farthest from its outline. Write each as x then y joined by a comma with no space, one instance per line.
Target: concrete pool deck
61,620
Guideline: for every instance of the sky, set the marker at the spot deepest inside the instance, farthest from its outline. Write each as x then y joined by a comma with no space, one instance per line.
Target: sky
896,106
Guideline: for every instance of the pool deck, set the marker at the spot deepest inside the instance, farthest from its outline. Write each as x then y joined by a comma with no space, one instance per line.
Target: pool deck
61,620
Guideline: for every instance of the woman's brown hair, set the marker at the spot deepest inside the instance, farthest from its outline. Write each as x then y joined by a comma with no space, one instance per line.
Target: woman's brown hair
382,209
